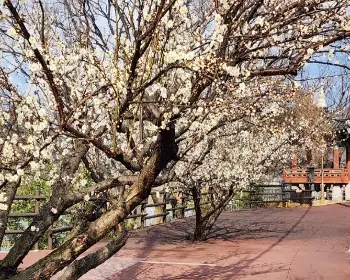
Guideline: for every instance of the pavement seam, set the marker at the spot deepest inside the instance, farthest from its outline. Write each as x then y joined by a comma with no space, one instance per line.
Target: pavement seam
296,253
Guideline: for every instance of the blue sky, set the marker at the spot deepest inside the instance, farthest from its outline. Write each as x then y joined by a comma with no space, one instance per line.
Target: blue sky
333,79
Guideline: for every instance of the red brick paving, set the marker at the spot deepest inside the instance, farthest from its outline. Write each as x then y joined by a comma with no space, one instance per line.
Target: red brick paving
31,258
296,244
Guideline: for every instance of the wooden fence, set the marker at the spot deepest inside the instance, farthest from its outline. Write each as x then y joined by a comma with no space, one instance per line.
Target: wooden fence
166,207
139,216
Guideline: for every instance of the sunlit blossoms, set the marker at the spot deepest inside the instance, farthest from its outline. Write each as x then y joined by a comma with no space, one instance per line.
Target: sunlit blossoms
118,95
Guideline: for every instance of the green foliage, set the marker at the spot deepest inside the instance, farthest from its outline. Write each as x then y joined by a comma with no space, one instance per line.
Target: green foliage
33,188
42,188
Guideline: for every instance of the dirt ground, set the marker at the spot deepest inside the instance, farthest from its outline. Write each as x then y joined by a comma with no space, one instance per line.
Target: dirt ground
297,243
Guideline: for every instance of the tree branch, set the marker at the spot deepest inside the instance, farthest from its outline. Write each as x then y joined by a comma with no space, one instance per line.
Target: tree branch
79,267
40,58
140,190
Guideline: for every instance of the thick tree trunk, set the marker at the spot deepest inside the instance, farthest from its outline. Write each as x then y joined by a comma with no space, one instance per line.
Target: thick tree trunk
140,190
79,267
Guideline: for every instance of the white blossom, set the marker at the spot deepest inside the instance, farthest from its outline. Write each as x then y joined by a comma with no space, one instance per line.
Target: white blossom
20,172
12,32
183,10
3,207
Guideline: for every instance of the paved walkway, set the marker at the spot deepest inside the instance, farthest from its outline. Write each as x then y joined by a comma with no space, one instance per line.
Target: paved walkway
303,243
296,244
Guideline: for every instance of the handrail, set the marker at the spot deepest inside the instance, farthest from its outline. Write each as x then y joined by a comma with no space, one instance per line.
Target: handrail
181,205
142,216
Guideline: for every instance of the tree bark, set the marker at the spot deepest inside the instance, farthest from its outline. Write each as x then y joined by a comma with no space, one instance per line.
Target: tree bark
79,267
204,224
199,230
45,218
9,190
211,219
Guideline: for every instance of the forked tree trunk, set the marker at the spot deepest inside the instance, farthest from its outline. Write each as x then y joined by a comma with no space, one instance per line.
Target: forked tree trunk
206,221
79,267
165,151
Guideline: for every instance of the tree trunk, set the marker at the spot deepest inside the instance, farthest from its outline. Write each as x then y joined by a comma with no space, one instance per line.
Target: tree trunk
165,151
79,267
199,231
9,191
204,224
45,218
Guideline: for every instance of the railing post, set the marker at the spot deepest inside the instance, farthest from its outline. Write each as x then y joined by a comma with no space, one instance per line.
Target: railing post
142,215
49,239
183,206
250,198
283,190
136,220
36,211
164,208
158,209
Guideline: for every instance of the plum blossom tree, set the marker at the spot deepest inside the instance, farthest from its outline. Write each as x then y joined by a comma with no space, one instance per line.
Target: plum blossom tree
114,88
247,150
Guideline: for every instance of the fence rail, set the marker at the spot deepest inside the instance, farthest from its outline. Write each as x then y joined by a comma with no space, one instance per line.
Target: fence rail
166,206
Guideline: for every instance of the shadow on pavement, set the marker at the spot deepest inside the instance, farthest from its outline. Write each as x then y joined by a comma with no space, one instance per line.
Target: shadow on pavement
178,231
238,269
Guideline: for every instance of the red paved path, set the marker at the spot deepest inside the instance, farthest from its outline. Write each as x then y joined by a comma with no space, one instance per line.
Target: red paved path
302,243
